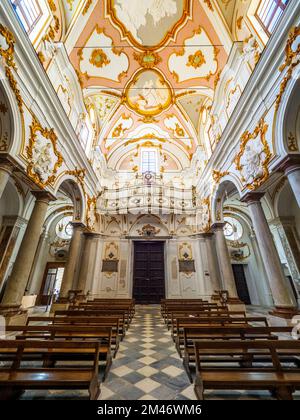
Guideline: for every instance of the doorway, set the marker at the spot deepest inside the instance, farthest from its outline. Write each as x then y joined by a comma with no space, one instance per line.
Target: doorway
51,283
241,283
148,272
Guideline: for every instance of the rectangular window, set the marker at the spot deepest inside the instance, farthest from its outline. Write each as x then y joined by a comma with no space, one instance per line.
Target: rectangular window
148,161
269,12
29,13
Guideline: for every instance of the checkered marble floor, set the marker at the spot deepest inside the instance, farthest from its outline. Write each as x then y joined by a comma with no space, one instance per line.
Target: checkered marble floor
147,366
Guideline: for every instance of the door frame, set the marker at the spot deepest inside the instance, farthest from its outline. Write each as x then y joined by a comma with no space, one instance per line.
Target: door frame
148,240
48,266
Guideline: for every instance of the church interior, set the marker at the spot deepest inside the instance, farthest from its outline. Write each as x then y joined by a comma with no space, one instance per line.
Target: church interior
150,199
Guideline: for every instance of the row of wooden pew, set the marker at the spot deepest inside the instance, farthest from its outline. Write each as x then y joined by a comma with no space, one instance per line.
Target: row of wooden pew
72,349
230,350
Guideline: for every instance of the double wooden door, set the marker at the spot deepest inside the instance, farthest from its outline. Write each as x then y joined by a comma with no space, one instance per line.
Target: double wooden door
149,272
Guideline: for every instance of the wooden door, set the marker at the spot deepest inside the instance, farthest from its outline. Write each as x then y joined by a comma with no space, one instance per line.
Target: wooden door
48,284
241,283
149,272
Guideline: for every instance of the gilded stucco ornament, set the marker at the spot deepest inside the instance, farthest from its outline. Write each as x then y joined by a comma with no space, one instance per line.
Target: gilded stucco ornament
43,155
7,48
203,216
254,156
196,60
92,216
218,175
292,59
7,53
99,58
147,59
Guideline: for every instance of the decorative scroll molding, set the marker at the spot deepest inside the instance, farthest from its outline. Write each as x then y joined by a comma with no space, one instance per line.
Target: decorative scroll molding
79,174
292,59
8,56
43,155
209,5
254,156
7,53
86,7
218,175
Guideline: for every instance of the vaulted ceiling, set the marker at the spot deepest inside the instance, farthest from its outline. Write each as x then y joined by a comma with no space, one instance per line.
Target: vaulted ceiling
148,70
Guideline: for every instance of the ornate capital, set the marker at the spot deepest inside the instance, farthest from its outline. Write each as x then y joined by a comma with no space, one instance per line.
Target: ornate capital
289,164
43,196
252,197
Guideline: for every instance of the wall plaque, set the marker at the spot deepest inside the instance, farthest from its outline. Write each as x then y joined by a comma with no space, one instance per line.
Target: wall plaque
186,266
110,266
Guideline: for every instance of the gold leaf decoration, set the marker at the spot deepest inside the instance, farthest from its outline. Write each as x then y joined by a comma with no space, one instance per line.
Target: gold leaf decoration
259,178
196,60
99,58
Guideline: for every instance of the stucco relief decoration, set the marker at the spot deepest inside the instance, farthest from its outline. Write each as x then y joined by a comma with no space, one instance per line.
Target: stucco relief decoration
4,127
111,251
148,230
91,214
185,251
251,51
292,59
148,93
147,59
203,216
7,46
7,54
150,23
254,156
43,155
196,60
99,58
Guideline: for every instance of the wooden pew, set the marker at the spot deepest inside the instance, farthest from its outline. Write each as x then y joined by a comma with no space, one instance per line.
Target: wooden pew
131,302
274,375
199,322
190,309
110,310
108,321
18,377
96,313
68,333
165,302
227,332
201,314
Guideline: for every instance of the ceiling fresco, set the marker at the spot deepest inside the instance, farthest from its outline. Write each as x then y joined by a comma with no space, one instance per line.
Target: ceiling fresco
146,69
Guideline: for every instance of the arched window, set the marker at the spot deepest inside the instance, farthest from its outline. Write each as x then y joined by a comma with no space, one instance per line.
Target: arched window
268,13
148,161
29,13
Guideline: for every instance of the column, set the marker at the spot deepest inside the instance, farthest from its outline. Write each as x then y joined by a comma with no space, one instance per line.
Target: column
39,264
212,261
88,258
292,173
290,165
224,260
6,170
74,255
17,282
14,224
284,301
